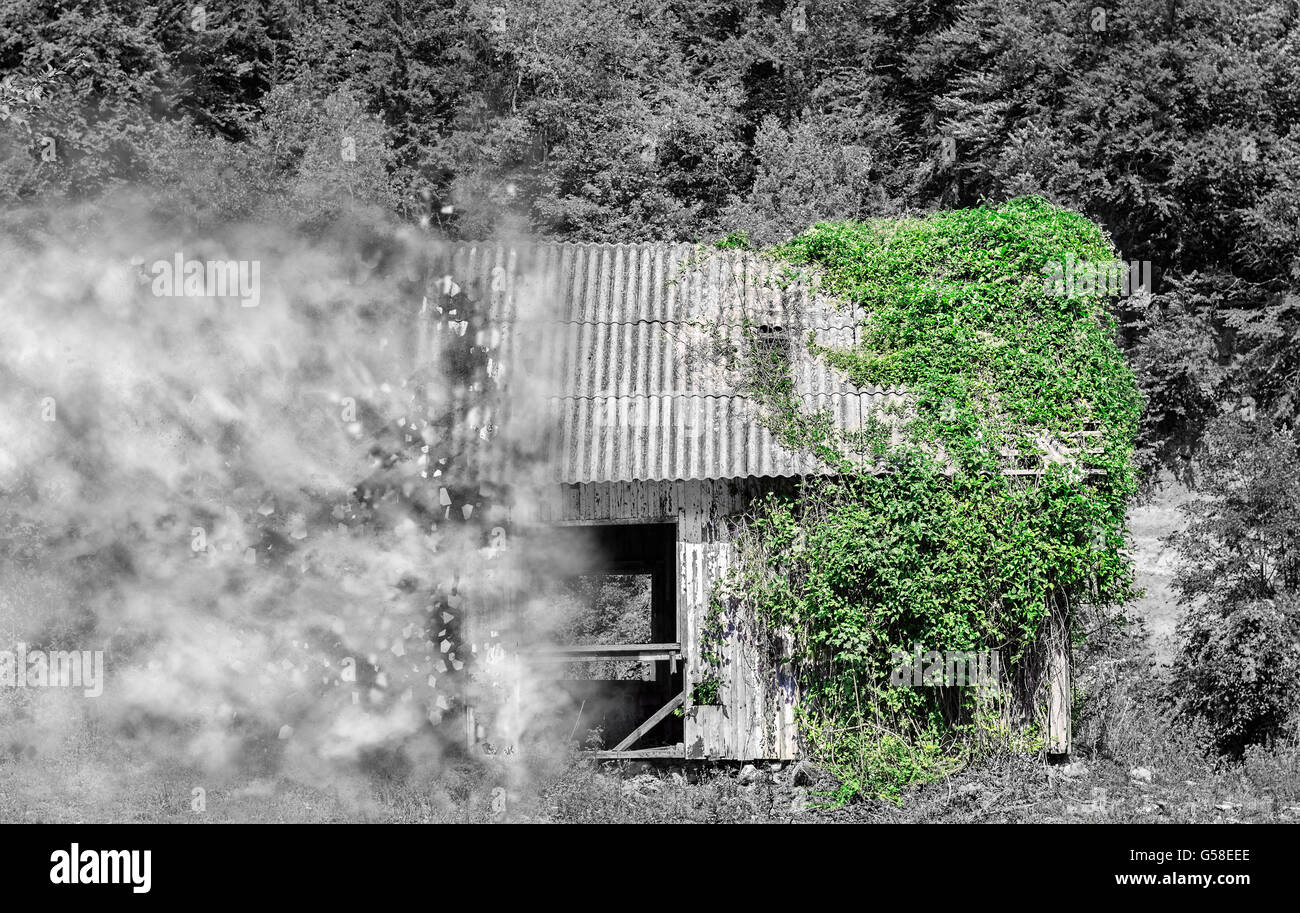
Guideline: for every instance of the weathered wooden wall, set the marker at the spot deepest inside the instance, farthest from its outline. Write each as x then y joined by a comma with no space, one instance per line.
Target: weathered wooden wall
699,507
754,717
755,714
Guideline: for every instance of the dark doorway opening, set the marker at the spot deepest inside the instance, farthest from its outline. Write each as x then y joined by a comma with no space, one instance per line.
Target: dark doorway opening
617,650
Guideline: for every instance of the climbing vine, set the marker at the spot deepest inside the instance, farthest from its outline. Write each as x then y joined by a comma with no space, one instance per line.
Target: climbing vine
993,490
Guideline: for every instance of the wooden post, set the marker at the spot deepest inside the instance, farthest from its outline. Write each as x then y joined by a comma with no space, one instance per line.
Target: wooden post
1058,678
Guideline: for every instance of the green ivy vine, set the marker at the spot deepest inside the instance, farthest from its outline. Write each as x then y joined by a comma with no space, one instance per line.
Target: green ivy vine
955,520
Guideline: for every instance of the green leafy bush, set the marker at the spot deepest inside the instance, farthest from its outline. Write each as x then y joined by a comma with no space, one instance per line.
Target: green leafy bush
921,537
1238,666
1242,540
1239,670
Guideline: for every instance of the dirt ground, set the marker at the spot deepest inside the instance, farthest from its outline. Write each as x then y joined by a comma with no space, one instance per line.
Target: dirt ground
1151,524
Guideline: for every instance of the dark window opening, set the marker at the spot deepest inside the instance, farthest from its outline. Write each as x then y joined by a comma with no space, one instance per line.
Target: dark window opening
606,609
770,360
771,342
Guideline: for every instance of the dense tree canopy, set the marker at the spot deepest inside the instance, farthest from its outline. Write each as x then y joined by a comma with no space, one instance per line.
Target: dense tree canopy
1171,123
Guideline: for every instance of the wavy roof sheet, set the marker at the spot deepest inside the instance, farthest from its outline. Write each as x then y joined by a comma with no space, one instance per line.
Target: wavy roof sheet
607,357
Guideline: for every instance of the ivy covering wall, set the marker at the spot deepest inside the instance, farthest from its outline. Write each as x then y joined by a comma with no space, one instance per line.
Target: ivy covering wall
924,539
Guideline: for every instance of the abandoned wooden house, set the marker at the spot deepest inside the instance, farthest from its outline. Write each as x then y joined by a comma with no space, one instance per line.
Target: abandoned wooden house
632,447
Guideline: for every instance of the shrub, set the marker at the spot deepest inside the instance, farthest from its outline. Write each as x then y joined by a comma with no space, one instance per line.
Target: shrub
1238,666
1239,671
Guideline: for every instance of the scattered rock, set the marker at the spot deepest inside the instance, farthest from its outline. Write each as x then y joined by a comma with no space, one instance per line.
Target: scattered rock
1097,808
992,800
1140,775
748,775
642,785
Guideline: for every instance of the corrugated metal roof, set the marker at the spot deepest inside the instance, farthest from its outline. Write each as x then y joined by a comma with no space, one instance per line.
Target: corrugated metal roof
607,356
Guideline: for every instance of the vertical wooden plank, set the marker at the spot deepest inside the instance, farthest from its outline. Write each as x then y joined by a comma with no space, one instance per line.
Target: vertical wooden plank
732,691
715,741
756,719
716,729
786,737
687,511
706,510
1058,671
684,510
733,687
683,614
694,728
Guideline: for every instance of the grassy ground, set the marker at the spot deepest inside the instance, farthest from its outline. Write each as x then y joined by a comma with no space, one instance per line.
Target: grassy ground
1011,789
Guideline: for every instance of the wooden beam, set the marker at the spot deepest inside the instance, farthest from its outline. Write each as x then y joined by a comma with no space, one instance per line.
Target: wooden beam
675,752
611,521
592,652
1058,679
649,724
